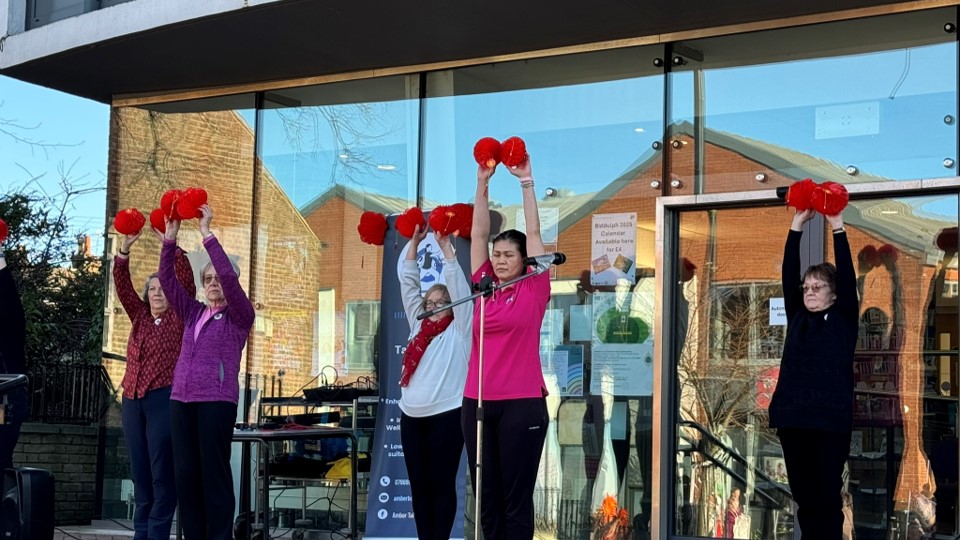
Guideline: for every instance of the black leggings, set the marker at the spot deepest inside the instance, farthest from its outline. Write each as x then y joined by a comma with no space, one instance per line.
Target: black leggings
513,434
202,433
432,449
815,460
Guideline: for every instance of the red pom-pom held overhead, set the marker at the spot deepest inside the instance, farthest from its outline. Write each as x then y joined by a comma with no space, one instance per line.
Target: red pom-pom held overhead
829,198
407,222
465,217
372,227
513,152
168,203
157,220
487,152
798,195
189,203
456,219
129,221
4,230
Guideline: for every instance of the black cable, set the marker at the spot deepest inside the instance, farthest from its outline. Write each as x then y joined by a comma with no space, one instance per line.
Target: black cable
65,533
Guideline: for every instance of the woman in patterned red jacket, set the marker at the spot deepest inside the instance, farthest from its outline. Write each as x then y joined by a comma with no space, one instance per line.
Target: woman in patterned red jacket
152,351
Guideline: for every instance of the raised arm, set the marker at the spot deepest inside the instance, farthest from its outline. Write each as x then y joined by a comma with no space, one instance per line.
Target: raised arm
180,301
480,230
846,275
457,285
530,213
409,276
184,272
132,303
790,271
240,305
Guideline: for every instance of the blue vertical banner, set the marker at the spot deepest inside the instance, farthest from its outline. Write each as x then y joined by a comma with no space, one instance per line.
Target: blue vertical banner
389,503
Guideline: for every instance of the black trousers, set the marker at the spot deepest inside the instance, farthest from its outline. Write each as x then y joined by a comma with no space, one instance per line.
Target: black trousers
514,431
146,430
432,449
202,433
815,460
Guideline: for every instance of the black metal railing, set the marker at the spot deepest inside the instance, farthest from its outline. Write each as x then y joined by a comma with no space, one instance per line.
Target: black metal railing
68,393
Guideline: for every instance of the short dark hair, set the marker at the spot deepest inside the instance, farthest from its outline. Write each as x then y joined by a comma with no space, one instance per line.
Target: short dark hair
516,237
825,272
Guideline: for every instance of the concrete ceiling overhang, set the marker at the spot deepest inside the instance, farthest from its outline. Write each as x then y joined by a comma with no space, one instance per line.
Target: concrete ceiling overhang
305,38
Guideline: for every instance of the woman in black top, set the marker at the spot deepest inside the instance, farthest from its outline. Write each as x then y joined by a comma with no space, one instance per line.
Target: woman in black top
812,407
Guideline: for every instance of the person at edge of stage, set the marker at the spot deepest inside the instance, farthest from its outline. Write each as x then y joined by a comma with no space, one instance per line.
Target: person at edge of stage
513,390
431,386
152,350
13,340
206,386
812,406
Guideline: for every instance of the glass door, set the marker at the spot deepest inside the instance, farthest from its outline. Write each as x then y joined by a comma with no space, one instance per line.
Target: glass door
722,467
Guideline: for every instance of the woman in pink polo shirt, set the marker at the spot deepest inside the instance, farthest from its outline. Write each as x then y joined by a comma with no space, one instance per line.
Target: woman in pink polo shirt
514,408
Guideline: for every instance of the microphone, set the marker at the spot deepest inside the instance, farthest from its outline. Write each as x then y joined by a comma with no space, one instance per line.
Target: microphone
545,260
485,286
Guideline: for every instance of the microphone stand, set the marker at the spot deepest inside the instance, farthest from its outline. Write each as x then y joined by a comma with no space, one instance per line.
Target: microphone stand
485,288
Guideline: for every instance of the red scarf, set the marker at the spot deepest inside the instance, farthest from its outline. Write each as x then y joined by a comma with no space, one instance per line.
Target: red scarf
418,345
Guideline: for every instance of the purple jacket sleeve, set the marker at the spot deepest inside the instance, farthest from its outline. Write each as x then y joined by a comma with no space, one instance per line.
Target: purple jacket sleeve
237,300
181,302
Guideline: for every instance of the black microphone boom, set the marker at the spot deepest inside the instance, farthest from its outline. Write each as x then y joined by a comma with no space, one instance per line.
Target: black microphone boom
546,259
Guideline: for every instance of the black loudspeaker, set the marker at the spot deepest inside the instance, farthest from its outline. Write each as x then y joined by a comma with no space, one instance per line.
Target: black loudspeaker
26,509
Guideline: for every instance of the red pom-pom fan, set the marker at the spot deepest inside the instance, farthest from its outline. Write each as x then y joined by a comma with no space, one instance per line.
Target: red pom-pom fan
456,219
947,239
798,195
129,221
442,220
407,222
487,152
157,220
188,204
168,203
372,227
464,214
829,198
513,152
4,230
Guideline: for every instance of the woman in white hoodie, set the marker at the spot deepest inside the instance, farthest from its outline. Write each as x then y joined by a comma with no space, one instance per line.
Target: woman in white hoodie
432,379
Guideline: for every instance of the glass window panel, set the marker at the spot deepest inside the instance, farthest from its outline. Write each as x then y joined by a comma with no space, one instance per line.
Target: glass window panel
878,95
327,154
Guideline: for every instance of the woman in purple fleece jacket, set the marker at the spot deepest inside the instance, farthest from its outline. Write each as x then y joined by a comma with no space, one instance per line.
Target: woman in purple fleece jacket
206,387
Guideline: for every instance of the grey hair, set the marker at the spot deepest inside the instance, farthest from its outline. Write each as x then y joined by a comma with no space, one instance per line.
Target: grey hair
209,265
146,287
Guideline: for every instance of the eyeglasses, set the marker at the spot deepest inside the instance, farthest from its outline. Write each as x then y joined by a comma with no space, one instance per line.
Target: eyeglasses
430,304
815,287
207,280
